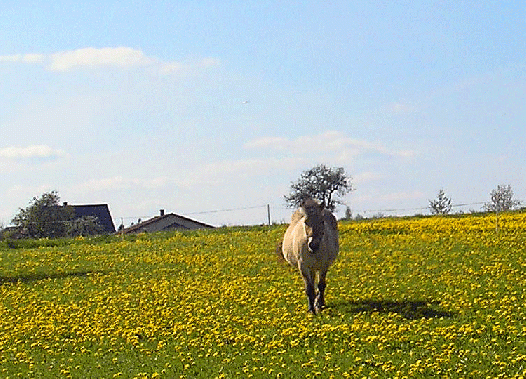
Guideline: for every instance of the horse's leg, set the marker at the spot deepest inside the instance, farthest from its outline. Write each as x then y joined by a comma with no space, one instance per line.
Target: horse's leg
310,291
320,299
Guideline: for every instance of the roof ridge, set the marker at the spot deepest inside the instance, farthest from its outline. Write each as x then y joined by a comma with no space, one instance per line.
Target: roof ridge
167,215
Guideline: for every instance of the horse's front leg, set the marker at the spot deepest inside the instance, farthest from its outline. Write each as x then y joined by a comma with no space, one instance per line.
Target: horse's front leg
310,291
320,299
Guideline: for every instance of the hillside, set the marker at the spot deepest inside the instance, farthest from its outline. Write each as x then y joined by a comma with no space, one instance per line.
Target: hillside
414,297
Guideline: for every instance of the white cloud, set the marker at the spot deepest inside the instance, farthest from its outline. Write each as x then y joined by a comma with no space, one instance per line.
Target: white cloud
33,58
398,202
120,183
277,143
203,175
331,141
119,57
23,58
104,184
234,170
91,58
402,196
31,152
10,58
167,68
401,108
249,166
366,177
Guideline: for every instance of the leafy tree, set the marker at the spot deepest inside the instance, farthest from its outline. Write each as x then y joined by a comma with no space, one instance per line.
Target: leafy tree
84,226
321,183
441,205
348,213
501,200
44,217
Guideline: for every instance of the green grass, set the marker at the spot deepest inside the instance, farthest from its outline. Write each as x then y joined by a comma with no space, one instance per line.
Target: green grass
430,297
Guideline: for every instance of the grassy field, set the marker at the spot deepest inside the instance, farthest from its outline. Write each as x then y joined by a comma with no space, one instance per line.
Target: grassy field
420,297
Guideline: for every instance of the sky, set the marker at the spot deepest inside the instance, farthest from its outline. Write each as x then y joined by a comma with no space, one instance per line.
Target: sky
210,109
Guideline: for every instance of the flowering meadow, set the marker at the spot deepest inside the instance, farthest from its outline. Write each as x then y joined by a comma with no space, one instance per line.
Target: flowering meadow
407,298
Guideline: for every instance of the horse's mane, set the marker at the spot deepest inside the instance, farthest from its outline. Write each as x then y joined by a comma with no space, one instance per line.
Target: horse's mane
297,215
327,215
301,212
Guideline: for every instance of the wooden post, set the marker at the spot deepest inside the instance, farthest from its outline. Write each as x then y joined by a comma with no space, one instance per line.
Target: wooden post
268,213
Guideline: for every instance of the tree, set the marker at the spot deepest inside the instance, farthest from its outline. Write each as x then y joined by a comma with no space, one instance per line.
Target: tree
44,217
501,200
348,213
321,183
84,226
441,205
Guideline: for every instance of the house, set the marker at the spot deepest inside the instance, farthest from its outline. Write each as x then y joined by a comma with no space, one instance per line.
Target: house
163,222
101,211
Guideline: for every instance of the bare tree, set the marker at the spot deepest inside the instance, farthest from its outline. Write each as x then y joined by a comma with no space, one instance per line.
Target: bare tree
501,200
441,205
321,183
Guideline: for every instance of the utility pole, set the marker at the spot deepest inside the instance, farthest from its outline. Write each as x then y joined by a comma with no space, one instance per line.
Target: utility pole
268,213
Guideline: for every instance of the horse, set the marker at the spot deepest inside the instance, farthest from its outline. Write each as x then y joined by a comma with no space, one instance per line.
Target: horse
311,245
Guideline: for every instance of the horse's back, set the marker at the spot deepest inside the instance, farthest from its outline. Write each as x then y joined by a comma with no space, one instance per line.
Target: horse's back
295,248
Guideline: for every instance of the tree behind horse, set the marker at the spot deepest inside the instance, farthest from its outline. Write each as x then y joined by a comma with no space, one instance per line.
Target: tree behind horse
311,244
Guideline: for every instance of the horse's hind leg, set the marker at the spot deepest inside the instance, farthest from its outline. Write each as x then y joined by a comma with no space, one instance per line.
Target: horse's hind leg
320,299
310,291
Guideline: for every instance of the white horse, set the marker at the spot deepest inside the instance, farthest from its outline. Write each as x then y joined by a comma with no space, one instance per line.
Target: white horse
311,244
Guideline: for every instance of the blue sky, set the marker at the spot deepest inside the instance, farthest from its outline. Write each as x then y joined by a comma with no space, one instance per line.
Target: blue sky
199,106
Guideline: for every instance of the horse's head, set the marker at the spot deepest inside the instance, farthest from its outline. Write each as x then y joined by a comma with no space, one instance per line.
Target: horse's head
314,223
